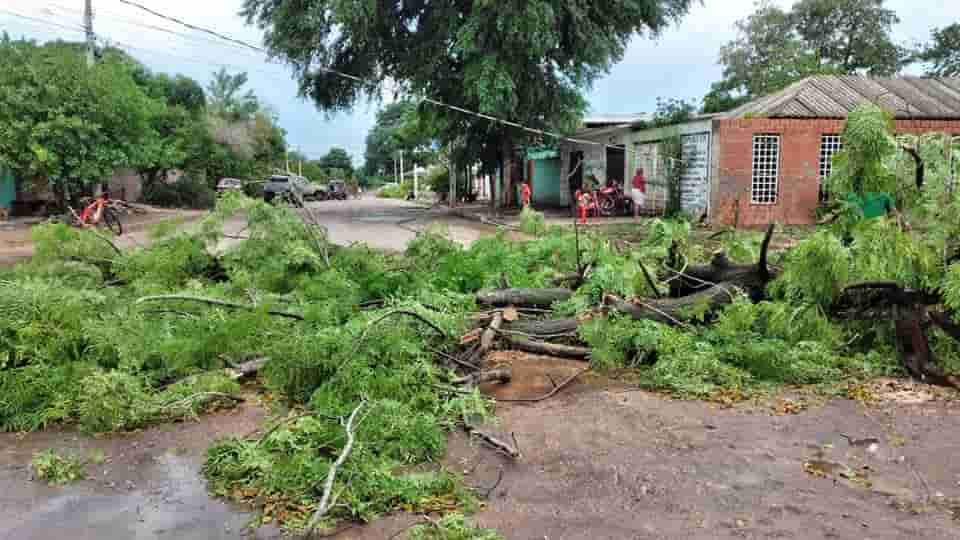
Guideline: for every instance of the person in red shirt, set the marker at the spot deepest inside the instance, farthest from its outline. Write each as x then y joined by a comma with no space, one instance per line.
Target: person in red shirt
526,194
638,193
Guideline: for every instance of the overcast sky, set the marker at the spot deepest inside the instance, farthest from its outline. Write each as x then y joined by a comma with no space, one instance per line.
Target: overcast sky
681,63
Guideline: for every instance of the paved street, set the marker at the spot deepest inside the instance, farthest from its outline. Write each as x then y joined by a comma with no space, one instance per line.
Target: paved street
390,223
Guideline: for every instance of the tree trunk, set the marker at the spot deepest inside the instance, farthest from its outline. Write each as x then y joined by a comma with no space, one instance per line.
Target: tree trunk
546,329
676,310
532,298
752,278
507,151
549,349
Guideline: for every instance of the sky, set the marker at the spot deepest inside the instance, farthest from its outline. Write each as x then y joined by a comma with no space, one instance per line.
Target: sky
680,63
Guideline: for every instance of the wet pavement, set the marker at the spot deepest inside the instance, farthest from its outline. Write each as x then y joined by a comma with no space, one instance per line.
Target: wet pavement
147,486
391,224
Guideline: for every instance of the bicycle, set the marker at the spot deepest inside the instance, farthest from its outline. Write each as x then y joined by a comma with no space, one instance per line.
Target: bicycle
99,212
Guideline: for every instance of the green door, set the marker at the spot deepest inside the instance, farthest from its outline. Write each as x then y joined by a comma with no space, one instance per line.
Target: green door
546,183
8,189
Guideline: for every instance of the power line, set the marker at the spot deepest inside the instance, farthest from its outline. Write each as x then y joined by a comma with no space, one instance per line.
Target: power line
438,103
116,17
76,28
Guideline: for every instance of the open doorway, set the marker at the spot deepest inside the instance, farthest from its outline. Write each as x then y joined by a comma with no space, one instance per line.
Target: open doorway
575,176
616,165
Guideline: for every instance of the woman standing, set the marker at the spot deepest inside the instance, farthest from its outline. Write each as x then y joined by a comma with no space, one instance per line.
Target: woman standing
638,193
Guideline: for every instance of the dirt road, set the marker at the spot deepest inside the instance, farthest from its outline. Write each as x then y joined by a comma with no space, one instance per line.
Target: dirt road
600,461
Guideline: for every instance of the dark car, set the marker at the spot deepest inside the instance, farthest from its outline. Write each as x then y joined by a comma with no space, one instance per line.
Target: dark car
337,190
295,189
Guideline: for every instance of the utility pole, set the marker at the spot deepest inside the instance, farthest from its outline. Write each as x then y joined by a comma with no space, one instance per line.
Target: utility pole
88,26
416,182
401,167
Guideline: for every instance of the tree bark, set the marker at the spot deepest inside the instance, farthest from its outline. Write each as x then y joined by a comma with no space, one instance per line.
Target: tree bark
546,329
675,310
549,349
532,298
752,278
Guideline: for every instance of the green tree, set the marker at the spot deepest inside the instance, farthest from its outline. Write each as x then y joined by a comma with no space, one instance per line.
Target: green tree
943,54
64,123
226,98
775,48
338,158
851,36
526,61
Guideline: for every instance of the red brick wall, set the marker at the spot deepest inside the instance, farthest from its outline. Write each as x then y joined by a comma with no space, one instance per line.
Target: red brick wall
799,167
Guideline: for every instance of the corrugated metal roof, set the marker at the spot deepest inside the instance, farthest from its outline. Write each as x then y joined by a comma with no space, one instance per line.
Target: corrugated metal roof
829,96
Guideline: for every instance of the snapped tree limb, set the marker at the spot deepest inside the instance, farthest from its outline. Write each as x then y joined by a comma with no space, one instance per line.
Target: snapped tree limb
325,502
526,298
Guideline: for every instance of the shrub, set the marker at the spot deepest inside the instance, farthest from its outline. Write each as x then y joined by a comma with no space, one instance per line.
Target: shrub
56,469
186,192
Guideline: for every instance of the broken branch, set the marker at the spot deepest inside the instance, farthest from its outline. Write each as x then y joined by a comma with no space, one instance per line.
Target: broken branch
328,485
406,312
214,302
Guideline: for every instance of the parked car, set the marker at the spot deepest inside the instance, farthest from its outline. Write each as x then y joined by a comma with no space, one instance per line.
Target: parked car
229,184
337,190
296,189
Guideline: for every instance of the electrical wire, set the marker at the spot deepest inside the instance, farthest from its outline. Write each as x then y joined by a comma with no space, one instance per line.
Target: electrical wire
116,17
44,22
540,132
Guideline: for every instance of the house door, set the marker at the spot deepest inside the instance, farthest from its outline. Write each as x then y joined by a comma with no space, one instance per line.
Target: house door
616,165
8,189
695,180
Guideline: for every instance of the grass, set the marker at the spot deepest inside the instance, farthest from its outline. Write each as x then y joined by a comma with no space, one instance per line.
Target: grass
56,469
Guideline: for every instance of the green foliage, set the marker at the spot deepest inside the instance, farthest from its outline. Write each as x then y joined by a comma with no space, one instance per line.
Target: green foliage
65,122
863,166
56,469
528,63
226,99
775,48
943,54
185,192
337,159
452,527
532,222
396,191
951,287
815,272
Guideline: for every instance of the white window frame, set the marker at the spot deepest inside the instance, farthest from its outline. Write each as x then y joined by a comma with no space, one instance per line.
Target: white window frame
765,169
830,144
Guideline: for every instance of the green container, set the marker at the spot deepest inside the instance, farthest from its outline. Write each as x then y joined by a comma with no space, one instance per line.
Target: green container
873,205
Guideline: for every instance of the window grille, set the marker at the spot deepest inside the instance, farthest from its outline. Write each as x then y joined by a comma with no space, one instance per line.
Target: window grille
829,146
766,169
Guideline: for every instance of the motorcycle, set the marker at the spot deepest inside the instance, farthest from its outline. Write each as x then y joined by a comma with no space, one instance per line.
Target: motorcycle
612,201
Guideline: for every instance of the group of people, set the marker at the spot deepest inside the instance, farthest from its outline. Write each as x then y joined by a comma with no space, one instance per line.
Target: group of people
586,199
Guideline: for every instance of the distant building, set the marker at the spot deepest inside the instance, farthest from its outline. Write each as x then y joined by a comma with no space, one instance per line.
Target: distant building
766,160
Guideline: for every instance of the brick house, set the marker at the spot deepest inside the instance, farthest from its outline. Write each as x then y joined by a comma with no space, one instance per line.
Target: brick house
770,156
764,161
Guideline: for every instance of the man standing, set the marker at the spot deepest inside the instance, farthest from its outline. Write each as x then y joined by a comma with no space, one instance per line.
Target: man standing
638,193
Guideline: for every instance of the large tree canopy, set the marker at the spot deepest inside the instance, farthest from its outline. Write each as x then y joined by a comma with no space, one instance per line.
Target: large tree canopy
943,54
337,158
527,61
63,122
775,48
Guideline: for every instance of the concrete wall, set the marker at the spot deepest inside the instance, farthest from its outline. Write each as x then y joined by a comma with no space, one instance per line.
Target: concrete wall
798,182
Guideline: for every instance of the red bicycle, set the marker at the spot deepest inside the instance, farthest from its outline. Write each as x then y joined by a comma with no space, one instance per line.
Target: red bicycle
98,213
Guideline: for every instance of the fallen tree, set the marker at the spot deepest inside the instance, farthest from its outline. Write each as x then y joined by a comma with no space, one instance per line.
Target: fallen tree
751,278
